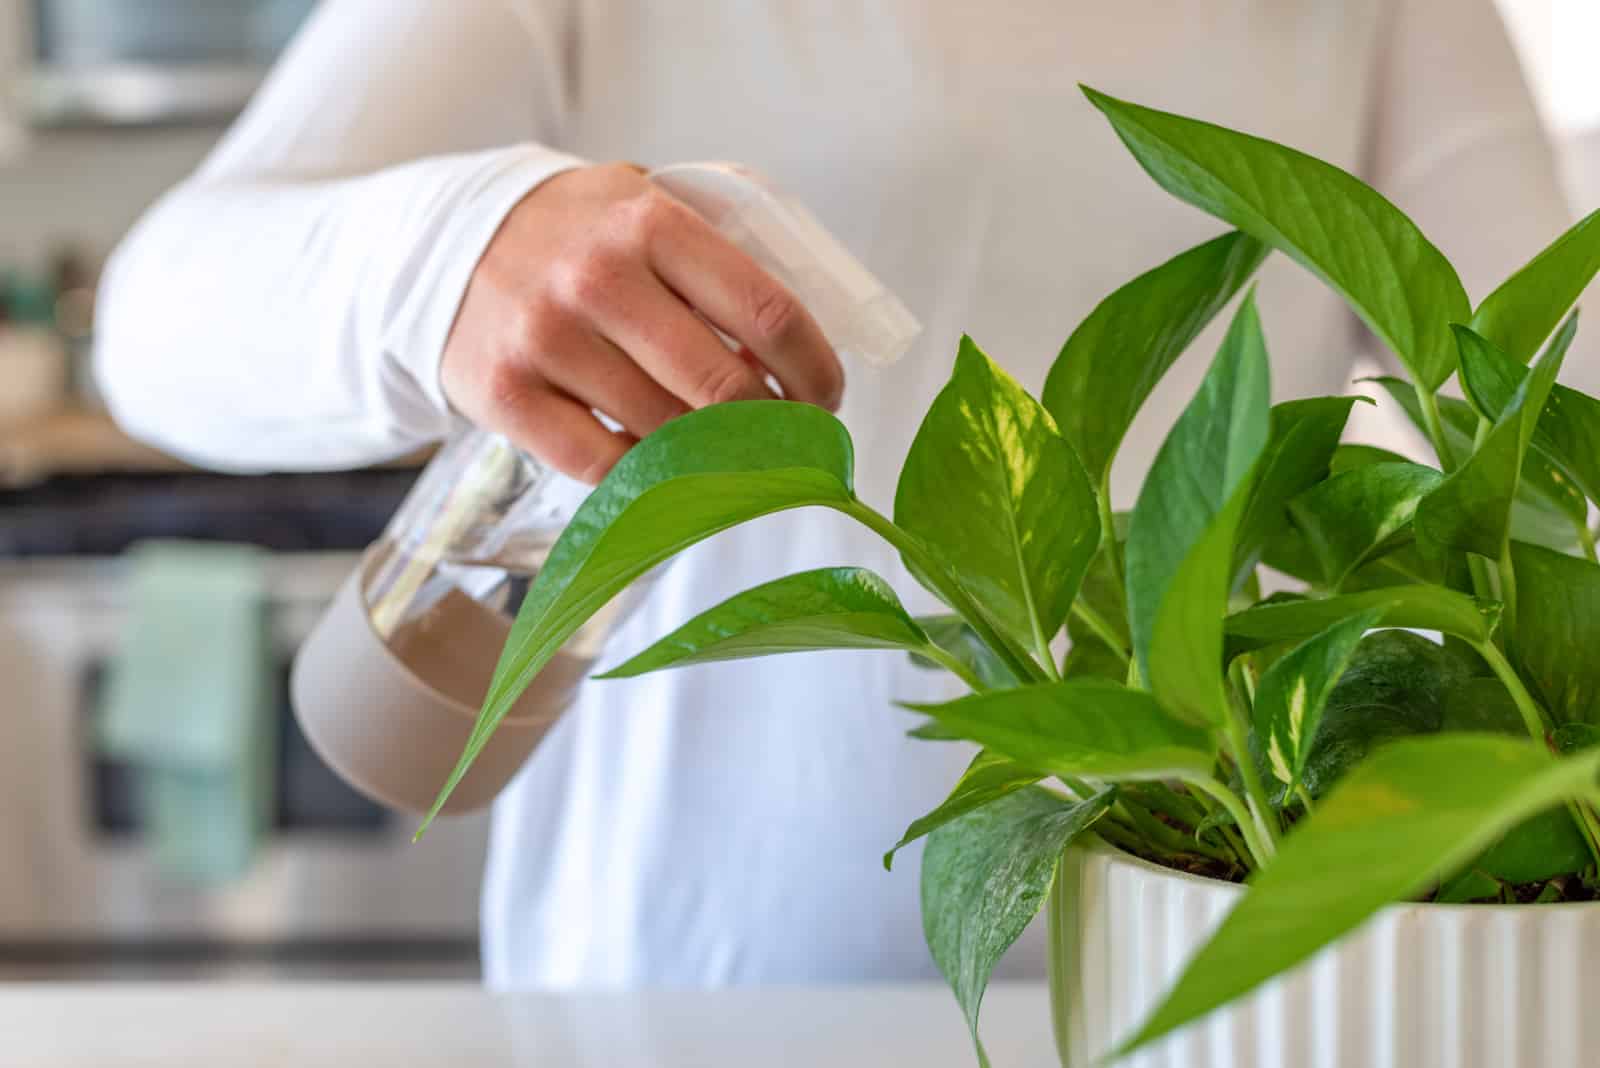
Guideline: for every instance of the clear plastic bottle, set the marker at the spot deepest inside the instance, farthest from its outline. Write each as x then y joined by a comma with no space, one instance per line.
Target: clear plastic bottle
388,684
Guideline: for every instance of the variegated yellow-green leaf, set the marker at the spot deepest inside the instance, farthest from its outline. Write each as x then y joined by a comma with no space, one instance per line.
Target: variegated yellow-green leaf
1295,689
996,494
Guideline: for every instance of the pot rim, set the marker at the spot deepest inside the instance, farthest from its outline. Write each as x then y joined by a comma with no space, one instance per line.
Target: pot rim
1094,844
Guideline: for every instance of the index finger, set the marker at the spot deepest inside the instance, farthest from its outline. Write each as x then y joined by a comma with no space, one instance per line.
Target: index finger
732,291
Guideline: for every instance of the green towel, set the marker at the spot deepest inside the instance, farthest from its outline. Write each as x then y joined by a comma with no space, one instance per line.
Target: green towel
190,705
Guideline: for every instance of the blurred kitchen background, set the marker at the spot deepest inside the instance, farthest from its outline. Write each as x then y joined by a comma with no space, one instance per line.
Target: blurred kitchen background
122,855
234,851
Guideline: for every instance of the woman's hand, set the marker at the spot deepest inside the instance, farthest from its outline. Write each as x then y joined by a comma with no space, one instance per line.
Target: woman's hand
599,293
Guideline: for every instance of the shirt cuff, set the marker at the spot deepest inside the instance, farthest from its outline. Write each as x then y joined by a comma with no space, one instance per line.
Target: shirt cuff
488,186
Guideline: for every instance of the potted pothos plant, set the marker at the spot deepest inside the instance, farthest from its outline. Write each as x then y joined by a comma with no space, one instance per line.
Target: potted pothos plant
1214,787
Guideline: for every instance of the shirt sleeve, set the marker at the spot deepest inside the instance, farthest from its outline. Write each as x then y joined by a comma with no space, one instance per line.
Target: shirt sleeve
286,307
1456,141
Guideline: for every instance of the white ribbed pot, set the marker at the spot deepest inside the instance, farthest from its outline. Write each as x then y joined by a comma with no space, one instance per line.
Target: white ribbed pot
1419,986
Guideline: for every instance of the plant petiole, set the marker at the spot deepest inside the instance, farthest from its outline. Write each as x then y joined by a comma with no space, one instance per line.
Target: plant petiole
1428,402
1586,539
1170,837
1021,665
1102,628
1538,727
1236,733
1533,717
1261,848
953,665
1108,536
1508,591
1241,853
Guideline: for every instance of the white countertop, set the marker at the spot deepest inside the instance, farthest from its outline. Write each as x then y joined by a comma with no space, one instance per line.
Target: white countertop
400,1025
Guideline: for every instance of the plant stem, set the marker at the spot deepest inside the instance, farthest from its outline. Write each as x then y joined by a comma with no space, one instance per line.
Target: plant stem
1241,854
1108,535
1482,585
1583,815
1533,717
1538,725
1021,665
1508,593
1261,851
1586,539
1236,730
1243,683
1304,795
1121,837
1161,834
1045,656
954,666
1102,628
1429,403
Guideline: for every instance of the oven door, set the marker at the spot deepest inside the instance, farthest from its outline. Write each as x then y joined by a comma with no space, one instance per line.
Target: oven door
338,878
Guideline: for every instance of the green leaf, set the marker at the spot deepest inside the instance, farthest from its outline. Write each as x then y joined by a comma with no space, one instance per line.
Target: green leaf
1567,437
1327,220
955,636
1361,514
1470,885
1091,658
1541,847
1117,355
1305,434
1547,504
699,474
1419,606
1396,685
1181,536
1417,809
1471,509
1079,727
1519,315
1295,690
1558,631
987,779
998,497
1352,457
1102,591
1575,737
984,877
831,608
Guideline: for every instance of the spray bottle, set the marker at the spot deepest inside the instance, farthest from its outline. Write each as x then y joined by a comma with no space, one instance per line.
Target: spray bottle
387,686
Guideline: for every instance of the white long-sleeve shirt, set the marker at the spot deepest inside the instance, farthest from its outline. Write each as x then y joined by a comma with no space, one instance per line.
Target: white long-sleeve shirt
286,308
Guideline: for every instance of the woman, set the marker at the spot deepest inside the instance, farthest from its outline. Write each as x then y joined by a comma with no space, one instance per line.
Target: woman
403,232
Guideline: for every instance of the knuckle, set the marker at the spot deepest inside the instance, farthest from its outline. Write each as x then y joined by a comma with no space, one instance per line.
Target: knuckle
587,280
533,335
725,381
645,216
775,314
509,386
